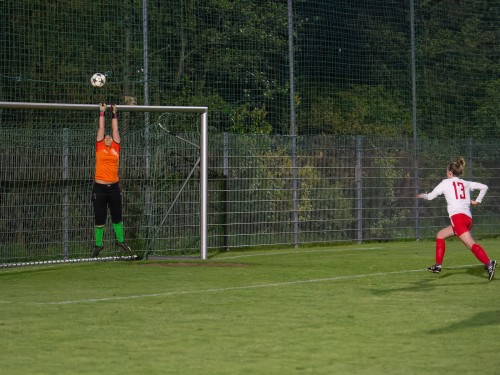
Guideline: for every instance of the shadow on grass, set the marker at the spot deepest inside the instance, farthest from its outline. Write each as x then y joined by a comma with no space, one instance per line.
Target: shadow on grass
419,286
476,271
431,281
486,318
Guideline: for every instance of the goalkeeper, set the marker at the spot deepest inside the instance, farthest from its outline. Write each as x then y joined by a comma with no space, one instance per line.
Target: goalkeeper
106,192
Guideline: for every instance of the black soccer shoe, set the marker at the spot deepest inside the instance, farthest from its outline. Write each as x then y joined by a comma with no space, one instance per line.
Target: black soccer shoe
97,250
491,269
124,247
436,268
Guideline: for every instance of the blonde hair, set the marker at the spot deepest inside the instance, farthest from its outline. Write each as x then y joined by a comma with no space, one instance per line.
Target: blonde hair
457,167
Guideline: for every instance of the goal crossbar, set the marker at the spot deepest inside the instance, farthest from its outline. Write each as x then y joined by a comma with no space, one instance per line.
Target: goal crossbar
203,111
92,107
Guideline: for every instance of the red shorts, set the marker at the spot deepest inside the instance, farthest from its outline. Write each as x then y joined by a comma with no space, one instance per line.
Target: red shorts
461,223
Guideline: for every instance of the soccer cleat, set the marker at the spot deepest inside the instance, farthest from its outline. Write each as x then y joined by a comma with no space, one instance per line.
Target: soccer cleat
436,268
491,269
97,250
124,247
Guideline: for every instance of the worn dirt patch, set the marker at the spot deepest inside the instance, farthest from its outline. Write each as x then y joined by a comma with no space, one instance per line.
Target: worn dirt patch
195,264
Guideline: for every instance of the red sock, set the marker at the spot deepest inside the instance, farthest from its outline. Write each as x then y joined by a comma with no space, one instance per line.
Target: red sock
440,249
480,254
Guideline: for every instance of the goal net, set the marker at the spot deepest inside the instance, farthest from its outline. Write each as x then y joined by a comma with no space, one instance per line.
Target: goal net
47,154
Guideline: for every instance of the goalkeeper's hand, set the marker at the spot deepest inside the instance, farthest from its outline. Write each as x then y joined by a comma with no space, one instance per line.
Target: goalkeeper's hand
114,108
102,107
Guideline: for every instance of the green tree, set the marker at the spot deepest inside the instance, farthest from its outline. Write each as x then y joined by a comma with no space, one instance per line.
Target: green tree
362,110
458,55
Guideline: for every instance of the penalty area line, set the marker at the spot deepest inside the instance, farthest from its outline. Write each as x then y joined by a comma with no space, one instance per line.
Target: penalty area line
228,289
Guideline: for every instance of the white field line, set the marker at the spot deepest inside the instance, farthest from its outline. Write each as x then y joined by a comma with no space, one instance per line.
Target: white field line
219,290
207,290
298,252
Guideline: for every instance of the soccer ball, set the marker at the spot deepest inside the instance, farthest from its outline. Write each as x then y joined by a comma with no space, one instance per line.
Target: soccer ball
98,80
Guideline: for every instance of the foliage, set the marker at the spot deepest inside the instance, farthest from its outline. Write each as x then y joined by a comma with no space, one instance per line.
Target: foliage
362,110
387,208
458,50
353,68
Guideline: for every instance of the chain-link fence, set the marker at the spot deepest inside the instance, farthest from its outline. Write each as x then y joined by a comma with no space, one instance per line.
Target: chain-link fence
325,118
341,188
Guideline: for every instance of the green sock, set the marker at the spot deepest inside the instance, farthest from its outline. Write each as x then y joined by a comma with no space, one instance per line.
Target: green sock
119,232
99,233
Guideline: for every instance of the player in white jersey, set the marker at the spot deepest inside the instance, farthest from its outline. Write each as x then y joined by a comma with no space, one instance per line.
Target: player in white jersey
458,198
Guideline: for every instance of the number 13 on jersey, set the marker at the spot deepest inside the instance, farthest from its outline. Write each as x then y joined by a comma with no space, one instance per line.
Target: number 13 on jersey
459,190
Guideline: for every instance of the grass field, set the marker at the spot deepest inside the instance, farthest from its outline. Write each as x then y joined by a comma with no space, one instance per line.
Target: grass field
353,309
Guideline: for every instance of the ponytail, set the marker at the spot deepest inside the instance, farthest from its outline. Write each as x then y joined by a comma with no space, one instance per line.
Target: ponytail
457,167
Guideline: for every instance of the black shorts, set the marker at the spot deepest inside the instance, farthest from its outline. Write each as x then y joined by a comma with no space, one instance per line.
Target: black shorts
106,196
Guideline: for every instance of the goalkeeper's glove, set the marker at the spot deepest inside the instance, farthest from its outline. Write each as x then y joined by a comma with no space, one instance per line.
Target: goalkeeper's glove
102,109
114,108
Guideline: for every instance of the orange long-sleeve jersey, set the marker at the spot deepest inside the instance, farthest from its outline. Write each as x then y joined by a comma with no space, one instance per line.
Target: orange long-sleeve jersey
107,160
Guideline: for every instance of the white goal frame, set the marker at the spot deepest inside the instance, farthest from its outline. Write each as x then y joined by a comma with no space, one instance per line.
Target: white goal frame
203,111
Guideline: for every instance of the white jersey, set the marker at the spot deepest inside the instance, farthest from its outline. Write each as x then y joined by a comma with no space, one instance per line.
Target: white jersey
457,194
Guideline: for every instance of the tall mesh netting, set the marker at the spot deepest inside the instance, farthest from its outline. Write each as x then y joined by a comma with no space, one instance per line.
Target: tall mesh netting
325,118
353,61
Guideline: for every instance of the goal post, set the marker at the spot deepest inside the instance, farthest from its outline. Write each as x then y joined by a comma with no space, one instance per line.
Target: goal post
203,146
